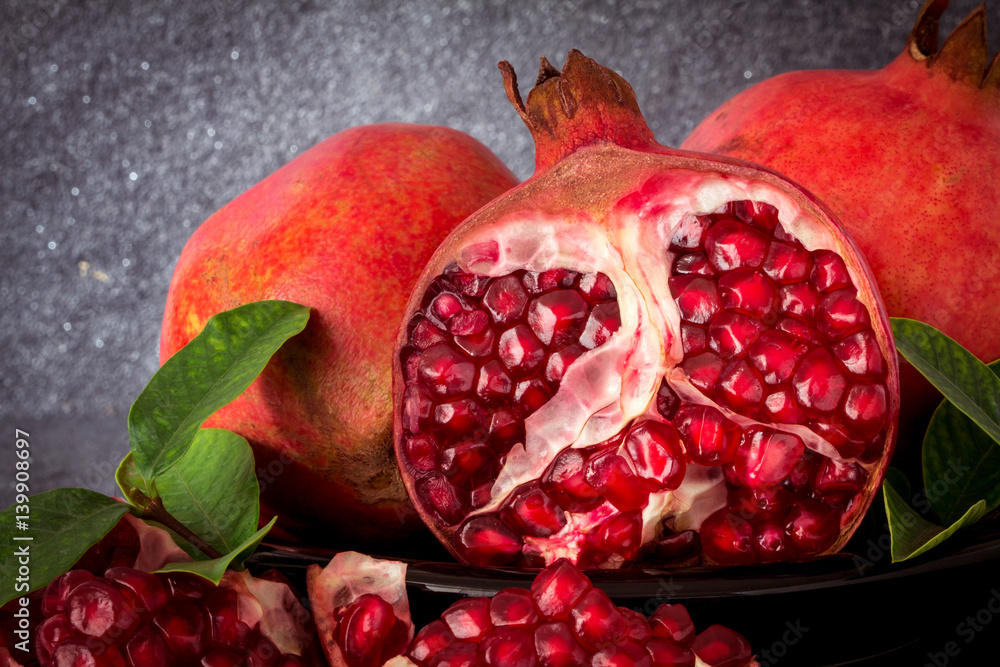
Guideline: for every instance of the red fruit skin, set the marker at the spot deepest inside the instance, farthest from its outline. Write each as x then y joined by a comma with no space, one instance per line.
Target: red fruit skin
907,158
345,229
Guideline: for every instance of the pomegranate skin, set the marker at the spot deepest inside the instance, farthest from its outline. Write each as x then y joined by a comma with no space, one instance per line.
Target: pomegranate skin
907,157
513,450
344,228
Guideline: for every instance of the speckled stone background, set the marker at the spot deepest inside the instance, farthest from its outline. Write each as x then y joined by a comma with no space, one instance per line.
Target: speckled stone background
125,124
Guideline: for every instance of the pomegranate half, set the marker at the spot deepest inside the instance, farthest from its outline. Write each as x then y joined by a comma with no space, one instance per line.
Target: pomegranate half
909,157
641,354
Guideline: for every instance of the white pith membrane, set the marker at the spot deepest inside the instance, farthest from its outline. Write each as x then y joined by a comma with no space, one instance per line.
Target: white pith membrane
615,385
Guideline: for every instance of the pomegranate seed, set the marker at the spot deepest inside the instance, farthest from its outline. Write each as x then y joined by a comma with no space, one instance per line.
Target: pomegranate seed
222,657
53,631
509,647
596,620
604,320
505,429
667,401
747,291
469,284
762,216
369,632
727,539
96,609
781,408
739,388
803,332
422,452
840,437
710,438
444,372
669,654
430,640
787,263
799,299
468,464
694,339
697,298
832,478
693,263
416,409
485,540
597,287
860,354
513,606
86,653
557,317
564,482
818,382
458,654
775,354
677,547
182,625
446,306
184,584
621,655
530,512
147,648
550,279
866,409
812,526
477,345
557,647
766,457
840,313
656,453
730,244
557,588
468,618
529,396
718,646
448,502
672,621
147,589
468,323
636,626
730,334
459,419
620,534
689,234
54,598
771,542
611,475
264,653
703,370
423,334
520,351
561,360
224,624
505,300
829,271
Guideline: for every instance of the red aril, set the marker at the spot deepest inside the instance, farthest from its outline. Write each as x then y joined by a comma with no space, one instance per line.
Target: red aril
907,157
563,621
655,331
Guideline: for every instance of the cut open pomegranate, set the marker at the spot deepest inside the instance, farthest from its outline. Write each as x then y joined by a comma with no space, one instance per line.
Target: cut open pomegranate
642,354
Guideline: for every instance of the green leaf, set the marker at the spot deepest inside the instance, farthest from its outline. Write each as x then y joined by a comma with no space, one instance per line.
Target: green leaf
62,525
128,478
214,569
961,463
206,374
963,379
213,490
911,534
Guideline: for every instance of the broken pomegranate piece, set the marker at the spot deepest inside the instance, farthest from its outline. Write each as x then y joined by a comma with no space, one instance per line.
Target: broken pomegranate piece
685,347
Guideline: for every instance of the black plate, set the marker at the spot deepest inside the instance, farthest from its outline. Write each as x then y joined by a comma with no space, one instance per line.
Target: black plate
855,608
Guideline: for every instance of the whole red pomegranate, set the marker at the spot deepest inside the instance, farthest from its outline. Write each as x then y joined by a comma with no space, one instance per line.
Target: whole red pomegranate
363,618
907,156
641,353
344,228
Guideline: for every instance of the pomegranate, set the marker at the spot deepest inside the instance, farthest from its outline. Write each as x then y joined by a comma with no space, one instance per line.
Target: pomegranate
641,354
907,157
563,620
343,228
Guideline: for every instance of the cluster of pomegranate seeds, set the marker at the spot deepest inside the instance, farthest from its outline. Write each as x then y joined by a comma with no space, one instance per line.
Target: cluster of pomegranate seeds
563,621
794,405
483,355
132,618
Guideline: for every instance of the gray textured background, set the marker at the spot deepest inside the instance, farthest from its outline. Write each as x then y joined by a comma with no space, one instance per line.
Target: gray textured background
126,124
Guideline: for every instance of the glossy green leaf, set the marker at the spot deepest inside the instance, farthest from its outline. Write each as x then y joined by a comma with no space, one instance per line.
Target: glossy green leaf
215,568
963,379
213,490
206,374
128,478
961,463
911,534
61,524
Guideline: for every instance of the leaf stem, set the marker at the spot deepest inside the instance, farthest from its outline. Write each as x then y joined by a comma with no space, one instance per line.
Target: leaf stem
152,508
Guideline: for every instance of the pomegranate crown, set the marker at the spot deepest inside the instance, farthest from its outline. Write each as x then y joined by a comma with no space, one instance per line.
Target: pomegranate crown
583,104
965,52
